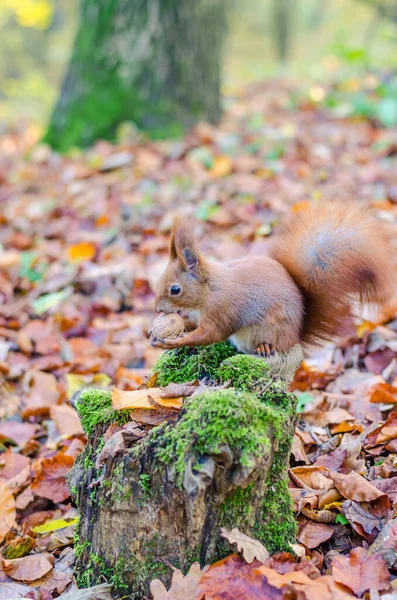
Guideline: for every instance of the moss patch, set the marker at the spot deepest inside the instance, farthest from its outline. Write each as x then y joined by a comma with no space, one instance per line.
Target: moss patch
213,419
244,372
187,364
95,406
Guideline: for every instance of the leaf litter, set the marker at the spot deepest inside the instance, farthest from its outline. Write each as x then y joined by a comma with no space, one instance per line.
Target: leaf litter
83,239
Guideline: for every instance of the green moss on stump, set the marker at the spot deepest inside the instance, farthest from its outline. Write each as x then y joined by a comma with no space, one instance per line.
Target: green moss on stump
95,407
244,372
241,417
213,419
187,364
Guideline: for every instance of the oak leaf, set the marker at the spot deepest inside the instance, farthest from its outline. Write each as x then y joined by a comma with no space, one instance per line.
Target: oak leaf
182,587
249,547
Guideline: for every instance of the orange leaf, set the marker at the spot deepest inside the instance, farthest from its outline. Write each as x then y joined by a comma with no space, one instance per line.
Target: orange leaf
149,399
383,393
7,510
81,252
223,166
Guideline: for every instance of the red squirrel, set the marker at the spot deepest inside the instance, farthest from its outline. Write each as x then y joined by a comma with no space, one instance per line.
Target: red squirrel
323,260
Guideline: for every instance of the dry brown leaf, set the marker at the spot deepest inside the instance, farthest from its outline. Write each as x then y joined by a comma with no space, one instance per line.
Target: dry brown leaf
11,464
43,391
354,487
19,433
182,587
249,547
174,390
232,578
313,534
66,419
361,571
7,510
28,568
51,480
149,399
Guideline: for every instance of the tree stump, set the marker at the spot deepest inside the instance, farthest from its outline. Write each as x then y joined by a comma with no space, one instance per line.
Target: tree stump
148,500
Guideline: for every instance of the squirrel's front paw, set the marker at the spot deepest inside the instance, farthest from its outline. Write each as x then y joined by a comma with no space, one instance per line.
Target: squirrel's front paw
167,343
265,350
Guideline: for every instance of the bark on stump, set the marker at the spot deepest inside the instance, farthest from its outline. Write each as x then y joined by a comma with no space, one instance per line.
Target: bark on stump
147,503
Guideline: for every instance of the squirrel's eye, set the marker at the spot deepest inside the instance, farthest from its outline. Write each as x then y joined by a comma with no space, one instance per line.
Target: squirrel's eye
175,290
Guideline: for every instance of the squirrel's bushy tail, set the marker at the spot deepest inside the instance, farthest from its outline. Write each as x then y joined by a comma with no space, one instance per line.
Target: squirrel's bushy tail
337,255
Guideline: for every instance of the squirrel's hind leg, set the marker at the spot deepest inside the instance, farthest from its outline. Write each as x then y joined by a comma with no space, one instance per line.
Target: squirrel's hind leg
265,350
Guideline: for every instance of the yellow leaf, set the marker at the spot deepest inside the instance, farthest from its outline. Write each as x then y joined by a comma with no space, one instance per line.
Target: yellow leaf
76,382
299,206
81,252
222,166
55,524
150,399
364,327
153,380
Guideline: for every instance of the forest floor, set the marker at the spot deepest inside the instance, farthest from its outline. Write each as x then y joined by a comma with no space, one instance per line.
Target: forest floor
83,239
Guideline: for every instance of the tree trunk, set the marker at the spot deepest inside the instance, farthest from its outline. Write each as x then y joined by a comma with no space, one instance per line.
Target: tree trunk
282,12
153,62
162,497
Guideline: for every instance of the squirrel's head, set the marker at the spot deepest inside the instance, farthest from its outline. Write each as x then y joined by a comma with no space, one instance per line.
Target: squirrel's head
181,287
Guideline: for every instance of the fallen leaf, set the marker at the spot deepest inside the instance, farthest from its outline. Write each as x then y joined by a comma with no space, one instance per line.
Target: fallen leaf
232,578
28,568
7,510
13,591
83,251
43,391
149,399
182,587
313,534
19,433
174,390
364,518
11,464
386,543
76,382
66,419
354,487
55,525
361,571
51,480
249,547
97,592
50,301
383,393
222,166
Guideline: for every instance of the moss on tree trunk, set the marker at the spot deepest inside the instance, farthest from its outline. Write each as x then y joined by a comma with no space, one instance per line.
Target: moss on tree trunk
223,462
153,62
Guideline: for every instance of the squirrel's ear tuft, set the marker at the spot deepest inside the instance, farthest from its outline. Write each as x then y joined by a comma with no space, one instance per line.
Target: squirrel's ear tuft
192,262
184,246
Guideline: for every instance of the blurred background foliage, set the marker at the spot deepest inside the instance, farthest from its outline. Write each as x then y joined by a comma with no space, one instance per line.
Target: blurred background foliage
344,52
